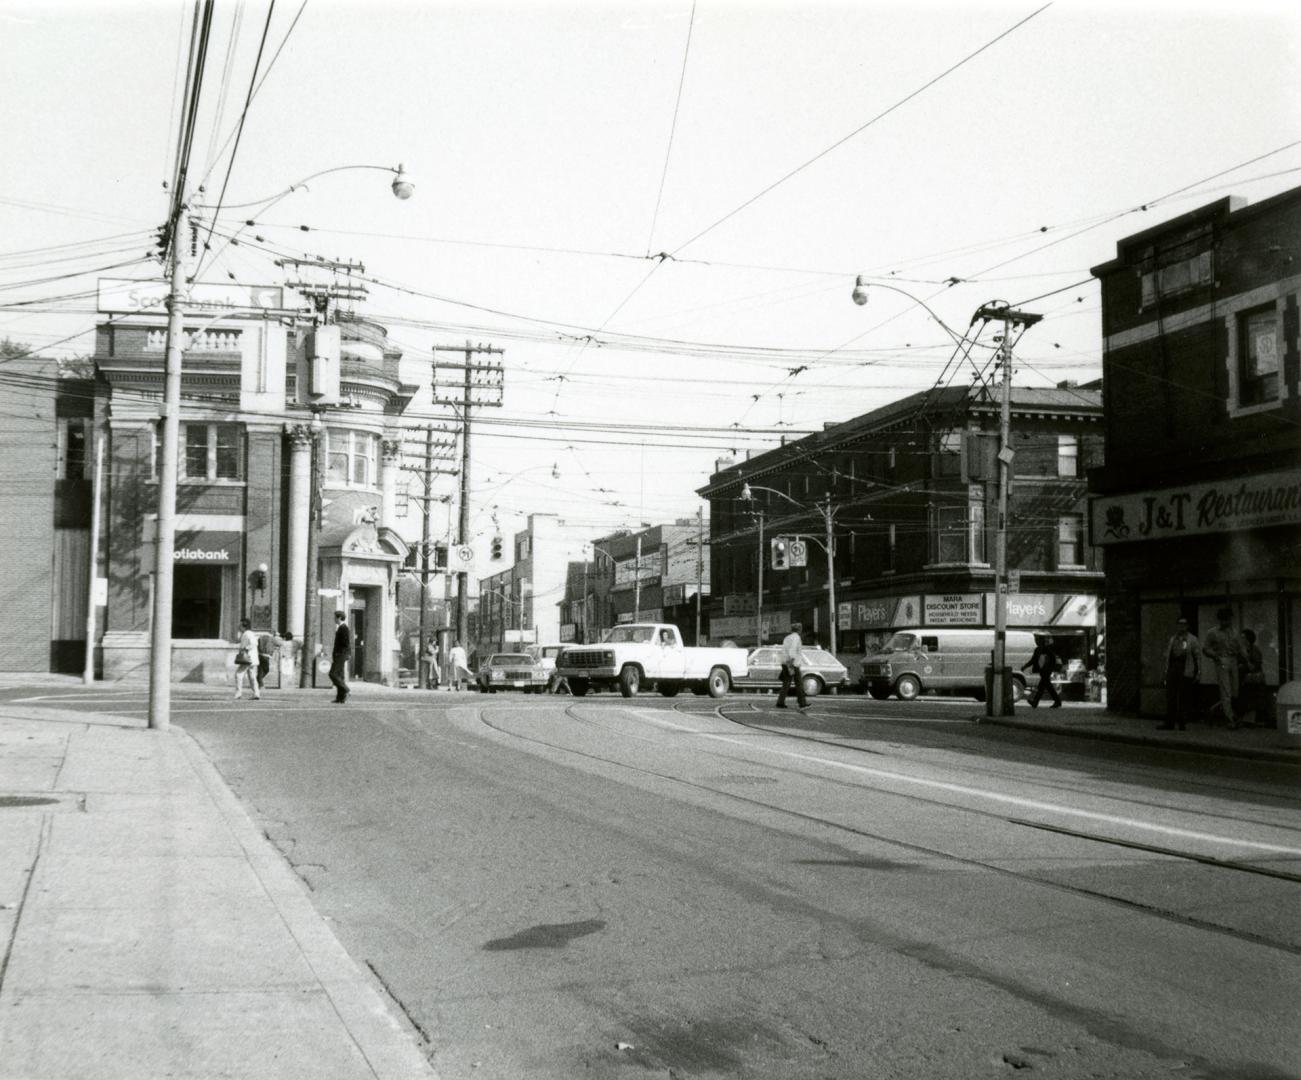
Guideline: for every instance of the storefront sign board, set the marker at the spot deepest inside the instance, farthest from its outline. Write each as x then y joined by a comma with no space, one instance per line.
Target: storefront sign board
1196,509
954,609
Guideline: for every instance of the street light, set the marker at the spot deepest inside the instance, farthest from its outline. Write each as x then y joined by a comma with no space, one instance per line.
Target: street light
160,644
995,311
828,545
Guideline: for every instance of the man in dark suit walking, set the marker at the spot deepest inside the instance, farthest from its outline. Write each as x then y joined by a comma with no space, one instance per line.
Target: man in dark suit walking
339,656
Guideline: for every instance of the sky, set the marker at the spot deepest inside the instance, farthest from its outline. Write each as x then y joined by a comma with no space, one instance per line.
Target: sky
657,210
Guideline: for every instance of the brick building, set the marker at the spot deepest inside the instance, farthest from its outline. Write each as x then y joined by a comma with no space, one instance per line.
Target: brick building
1199,503
913,490
243,491
45,504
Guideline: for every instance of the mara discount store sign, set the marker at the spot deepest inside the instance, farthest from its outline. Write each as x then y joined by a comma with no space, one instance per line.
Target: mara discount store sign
1195,509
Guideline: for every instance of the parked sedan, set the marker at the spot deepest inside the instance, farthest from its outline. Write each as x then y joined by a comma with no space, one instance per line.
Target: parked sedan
821,671
512,671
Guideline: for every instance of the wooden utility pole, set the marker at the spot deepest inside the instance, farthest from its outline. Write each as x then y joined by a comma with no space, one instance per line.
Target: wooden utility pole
481,385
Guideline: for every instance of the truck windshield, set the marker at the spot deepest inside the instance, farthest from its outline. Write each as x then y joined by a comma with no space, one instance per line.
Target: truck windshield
901,643
621,634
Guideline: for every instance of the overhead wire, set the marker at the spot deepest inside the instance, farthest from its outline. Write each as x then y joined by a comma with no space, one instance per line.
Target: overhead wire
861,128
239,130
673,127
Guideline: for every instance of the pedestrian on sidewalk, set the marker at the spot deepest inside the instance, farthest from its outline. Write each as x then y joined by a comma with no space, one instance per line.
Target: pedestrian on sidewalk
339,657
460,664
1044,661
1224,650
433,675
245,658
1183,663
267,644
792,668
1251,680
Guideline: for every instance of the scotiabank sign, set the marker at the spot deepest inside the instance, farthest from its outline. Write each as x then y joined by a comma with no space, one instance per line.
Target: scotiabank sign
215,549
1196,509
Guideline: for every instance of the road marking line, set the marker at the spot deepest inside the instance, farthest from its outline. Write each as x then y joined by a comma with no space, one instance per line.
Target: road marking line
979,793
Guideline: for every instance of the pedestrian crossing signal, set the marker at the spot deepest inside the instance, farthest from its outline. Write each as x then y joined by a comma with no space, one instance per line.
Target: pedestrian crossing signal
780,553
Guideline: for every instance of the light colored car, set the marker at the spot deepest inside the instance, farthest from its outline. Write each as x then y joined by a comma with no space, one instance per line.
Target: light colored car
821,671
545,657
512,671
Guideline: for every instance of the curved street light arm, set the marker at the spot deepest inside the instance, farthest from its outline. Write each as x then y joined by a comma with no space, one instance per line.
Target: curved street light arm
400,184
861,285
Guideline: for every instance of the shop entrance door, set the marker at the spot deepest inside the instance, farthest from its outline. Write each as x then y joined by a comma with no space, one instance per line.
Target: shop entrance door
358,620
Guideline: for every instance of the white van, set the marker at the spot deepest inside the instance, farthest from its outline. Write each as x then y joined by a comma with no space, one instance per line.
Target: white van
949,661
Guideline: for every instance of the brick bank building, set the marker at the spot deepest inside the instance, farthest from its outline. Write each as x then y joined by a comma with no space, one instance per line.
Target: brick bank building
1199,502
243,499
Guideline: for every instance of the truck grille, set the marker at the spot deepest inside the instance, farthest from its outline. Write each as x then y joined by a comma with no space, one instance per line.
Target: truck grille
586,658
876,669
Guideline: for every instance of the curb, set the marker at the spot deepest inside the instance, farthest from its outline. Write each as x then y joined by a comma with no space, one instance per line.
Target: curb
1284,755
389,1048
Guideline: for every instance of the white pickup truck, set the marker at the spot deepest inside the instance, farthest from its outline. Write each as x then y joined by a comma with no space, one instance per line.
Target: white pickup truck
645,655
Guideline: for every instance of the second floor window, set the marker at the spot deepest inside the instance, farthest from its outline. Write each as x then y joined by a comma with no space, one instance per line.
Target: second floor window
211,452
1258,354
1068,455
1070,540
71,461
960,533
352,458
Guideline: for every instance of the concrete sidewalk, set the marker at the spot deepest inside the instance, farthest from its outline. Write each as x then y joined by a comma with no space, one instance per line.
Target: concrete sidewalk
1092,721
148,929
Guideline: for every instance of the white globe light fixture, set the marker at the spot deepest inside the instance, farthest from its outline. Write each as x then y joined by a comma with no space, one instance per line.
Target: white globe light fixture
403,188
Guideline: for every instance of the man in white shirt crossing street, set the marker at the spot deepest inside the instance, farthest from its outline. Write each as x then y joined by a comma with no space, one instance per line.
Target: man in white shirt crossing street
792,668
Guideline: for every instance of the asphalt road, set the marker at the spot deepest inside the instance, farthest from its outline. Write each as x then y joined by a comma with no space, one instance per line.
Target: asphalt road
555,887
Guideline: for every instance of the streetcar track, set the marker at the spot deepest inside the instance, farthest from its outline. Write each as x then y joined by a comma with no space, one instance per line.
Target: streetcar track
1192,788
1165,914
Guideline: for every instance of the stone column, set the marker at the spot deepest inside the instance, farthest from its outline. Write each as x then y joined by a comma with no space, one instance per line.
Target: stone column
390,475
300,502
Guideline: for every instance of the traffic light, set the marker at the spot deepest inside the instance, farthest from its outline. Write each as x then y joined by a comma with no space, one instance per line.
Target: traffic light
780,553
496,547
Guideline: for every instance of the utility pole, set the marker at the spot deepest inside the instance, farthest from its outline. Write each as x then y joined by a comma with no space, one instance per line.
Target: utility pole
636,588
482,385
1010,319
831,568
439,446
700,564
324,299
97,494
160,642
758,627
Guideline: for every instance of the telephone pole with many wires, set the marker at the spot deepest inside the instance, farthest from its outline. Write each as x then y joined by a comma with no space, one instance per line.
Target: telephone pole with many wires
481,385
439,445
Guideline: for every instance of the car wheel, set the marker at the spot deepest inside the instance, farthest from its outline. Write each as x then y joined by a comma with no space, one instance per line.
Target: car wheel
578,687
720,682
908,688
1018,688
812,685
669,689
630,680
879,692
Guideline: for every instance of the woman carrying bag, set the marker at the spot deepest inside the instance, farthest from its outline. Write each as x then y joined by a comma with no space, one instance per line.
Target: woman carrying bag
245,660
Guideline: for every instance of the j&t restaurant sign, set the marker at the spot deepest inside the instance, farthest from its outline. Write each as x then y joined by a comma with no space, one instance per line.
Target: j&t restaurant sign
1195,509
